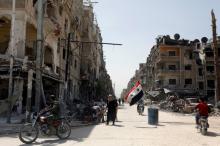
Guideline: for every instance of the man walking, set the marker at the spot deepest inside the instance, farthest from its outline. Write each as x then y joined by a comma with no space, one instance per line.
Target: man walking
112,109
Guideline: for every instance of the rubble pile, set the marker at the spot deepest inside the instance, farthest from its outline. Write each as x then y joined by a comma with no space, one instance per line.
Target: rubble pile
173,103
215,113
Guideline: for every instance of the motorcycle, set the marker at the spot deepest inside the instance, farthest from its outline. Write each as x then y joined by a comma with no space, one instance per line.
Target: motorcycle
45,124
140,109
203,125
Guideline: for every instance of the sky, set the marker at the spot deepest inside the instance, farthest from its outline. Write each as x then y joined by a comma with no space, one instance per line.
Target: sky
137,23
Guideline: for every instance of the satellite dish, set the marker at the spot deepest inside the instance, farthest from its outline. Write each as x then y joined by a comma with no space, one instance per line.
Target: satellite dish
204,39
196,41
167,36
176,36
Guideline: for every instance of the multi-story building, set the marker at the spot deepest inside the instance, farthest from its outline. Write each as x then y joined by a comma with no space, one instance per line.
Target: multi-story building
24,46
207,55
96,82
182,66
171,64
63,61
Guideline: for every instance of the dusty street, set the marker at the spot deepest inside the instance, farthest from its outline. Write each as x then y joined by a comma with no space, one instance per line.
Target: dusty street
133,130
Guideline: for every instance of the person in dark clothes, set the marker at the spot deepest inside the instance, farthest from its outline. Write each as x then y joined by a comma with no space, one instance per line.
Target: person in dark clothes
112,109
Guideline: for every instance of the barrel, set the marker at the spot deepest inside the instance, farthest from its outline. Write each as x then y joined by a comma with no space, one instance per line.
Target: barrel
152,116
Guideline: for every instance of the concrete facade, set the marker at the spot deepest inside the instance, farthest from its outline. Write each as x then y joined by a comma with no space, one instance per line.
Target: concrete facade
182,66
60,19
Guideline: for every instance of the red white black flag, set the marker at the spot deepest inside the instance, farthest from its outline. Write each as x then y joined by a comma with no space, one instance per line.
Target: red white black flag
135,94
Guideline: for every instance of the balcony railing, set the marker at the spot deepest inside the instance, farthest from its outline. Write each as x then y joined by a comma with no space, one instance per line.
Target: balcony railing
165,72
210,73
209,58
165,57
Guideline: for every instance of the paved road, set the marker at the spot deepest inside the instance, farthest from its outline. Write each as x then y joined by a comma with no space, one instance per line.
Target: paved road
133,130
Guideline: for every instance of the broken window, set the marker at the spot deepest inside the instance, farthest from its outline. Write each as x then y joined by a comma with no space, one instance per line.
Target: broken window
201,85
172,53
48,57
172,67
30,43
210,69
209,54
210,93
30,53
190,55
3,89
5,26
188,67
188,81
211,84
172,81
200,71
198,45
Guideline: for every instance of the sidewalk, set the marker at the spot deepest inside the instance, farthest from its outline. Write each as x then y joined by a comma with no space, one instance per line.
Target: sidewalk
14,127
16,122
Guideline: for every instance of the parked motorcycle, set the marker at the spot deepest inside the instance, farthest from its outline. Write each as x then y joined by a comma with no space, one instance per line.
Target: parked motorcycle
140,108
203,125
45,124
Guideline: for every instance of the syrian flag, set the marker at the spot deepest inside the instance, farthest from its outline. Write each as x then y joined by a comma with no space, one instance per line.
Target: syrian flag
135,94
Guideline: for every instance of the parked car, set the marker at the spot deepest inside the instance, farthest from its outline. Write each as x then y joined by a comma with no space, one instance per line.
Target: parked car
190,104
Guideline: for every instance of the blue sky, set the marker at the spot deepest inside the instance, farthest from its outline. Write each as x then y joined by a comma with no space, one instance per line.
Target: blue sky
136,24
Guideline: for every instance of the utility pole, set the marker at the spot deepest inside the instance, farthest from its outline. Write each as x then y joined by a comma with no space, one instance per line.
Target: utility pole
40,15
66,93
215,49
12,45
29,94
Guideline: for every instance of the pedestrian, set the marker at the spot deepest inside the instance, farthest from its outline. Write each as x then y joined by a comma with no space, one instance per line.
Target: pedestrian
112,109
119,101
123,101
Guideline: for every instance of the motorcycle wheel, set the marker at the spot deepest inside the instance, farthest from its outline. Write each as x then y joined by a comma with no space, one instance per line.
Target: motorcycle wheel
203,131
203,128
63,130
28,134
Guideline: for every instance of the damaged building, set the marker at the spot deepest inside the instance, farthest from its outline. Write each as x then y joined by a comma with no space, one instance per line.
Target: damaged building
61,18
181,66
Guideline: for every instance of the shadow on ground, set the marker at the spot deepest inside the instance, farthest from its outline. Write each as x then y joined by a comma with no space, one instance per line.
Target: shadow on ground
212,134
9,135
178,123
53,142
141,127
78,134
116,125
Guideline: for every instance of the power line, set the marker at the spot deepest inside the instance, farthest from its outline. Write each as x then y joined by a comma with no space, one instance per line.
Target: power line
114,44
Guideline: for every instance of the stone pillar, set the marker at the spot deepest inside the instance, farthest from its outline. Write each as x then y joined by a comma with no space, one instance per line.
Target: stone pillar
17,94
